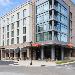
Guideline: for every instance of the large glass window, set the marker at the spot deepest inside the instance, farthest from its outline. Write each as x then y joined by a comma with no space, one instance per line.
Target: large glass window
46,26
39,18
63,10
58,6
64,37
39,28
58,37
45,36
50,35
46,6
58,17
46,16
57,26
64,28
39,37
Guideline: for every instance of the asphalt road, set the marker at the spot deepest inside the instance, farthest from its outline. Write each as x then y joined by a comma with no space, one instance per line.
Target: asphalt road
51,70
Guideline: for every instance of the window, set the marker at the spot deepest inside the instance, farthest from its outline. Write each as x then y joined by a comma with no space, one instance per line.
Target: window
58,37
12,18
7,34
17,32
40,18
24,13
46,26
45,36
12,41
24,22
7,27
39,28
64,28
17,39
12,26
12,33
18,15
41,37
46,16
37,38
63,37
46,6
3,42
7,41
18,23
24,39
57,26
24,30
7,20
3,36
3,29
50,36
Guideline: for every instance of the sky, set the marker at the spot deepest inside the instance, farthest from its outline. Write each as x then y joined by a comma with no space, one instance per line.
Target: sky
73,1
8,5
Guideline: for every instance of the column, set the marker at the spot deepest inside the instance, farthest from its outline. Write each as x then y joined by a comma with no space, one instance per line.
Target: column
52,53
42,53
14,55
5,54
62,53
27,52
9,53
20,54
53,25
52,3
1,54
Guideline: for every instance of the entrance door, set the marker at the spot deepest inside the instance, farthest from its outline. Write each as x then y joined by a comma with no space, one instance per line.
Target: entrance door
24,55
38,54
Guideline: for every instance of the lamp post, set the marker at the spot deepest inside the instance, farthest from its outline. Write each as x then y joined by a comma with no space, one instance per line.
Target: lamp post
31,53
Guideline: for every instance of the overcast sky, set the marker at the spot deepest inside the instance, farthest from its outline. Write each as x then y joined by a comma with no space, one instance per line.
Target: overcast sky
7,5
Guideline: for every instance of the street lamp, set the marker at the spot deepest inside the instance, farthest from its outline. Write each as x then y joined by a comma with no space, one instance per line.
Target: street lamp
31,53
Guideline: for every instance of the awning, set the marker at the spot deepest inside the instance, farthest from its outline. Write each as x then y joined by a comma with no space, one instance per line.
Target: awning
36,45
23,49
11,50
7,50
17,50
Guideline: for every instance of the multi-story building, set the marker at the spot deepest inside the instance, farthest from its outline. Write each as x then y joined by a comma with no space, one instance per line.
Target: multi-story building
52,28
44,22
72,23
16,32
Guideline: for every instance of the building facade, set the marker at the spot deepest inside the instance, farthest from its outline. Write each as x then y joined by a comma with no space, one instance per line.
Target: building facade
72,22
16,32
38,29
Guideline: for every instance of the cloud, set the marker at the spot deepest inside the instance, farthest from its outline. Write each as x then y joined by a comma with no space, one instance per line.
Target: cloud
5,2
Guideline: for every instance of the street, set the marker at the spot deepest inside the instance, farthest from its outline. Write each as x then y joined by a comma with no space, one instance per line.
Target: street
43,70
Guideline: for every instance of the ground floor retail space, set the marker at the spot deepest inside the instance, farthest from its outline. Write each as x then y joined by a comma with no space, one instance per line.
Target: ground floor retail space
52,52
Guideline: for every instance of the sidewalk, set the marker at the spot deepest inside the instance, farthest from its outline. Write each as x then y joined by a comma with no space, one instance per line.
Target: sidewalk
34,63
